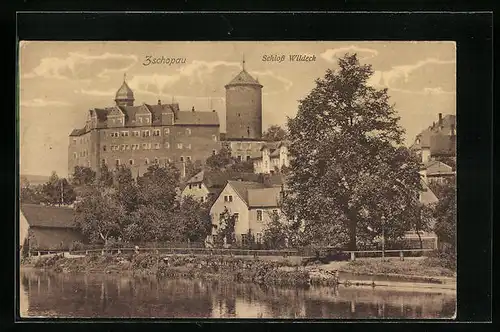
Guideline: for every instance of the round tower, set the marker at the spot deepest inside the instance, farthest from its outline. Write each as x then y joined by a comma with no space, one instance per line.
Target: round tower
124,95
244,107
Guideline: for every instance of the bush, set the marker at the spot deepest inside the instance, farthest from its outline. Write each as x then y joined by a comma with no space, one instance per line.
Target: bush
113,243
446,259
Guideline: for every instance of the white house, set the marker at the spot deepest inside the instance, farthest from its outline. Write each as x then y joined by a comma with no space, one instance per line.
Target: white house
274,155
251,202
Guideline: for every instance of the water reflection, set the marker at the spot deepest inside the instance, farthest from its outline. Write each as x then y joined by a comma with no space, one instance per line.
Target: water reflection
99,295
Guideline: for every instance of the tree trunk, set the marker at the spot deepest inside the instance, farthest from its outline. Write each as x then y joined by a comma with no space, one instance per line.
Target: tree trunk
420,239
352,233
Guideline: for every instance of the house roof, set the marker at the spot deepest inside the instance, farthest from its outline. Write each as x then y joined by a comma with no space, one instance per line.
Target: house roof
124,92
48,216
427,196
436,167
244,78
242,188
219,179
197,118
423,140
266,197
78,132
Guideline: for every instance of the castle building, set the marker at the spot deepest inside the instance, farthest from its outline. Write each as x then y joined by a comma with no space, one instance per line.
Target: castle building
136,136
244,116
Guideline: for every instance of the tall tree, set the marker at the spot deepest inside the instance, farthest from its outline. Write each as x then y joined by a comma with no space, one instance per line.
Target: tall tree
157,187
58,191
274,134
83,176
220,160
445,211
349,170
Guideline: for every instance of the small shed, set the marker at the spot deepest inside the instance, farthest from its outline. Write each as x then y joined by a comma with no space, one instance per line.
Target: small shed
48,227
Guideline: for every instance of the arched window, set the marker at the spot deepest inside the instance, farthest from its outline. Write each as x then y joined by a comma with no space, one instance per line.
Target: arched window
131,161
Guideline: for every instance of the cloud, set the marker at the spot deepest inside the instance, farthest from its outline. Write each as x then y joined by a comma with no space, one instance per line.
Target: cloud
38,102
332,54
82,66
269,75
405,78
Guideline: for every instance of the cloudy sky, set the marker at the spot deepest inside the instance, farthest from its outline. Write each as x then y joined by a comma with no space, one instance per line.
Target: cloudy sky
61,81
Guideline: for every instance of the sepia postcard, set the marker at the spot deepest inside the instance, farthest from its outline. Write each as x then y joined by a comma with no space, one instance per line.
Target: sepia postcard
273,180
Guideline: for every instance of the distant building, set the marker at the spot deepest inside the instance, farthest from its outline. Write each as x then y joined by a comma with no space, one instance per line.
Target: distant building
137,136
252,203
438,140
437,171
48,227
274,156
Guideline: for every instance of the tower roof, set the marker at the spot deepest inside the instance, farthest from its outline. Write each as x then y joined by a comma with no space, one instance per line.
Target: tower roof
124,92
244,78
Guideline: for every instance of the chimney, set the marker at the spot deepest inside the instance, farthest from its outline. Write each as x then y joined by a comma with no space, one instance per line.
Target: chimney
159,101
192,109
440,119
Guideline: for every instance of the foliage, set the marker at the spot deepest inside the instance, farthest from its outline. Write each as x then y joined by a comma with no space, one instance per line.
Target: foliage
105,177
222,159
245,166
445,211
275,233
30,194
349,167
83,176
57,191
193,168
76,245
225,229
446,259
195,218
274,134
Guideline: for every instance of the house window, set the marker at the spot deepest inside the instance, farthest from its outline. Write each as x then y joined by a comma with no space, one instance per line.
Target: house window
136,133
124,147
156,132
146,133
140,119
157,161
259,215
225,198
147,120
135,146
166,145
104,148
188,146
248,158
157,146
179,146
146,161
239,158
117,162
214,137
214,152
244,239
131,161
199,186
230,198
74,140
190,187
182,158
188,131
145,146
188,158
167,131
236,217
124,133
103,162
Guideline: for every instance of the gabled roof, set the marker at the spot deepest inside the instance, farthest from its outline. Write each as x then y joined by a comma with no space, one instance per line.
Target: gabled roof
423,140
426,195
267,197
244,78
197,118
242,187
48,216
77,132
435,166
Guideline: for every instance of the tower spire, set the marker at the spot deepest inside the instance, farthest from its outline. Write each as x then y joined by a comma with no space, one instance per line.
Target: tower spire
243,62
124,77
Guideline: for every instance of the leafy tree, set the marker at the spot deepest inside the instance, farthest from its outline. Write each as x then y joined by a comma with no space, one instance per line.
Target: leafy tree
105,177
225,229
57,191
149,224
157,187
349,168
274,134
195,220
83,176
100,216
193,168
222,159
275,233
30,194
445,212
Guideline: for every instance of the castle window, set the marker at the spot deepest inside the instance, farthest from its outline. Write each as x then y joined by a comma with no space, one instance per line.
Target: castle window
248,158
74,140
214,152
135,146
214,137
104,148
136,133
188,131
179,146
157,146
188,146
131,161
188,158
156,132
145,146
146,133
166,145
182,158
167,131
146,161
157,161
103,162
117,162
124,147
124,133
236,217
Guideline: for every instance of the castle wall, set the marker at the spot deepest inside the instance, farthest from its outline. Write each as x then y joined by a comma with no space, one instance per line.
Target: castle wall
244,111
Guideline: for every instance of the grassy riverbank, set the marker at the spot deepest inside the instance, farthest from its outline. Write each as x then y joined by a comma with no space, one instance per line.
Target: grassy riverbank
204,267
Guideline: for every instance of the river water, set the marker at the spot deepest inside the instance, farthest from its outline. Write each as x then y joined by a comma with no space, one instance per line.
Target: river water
48,294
